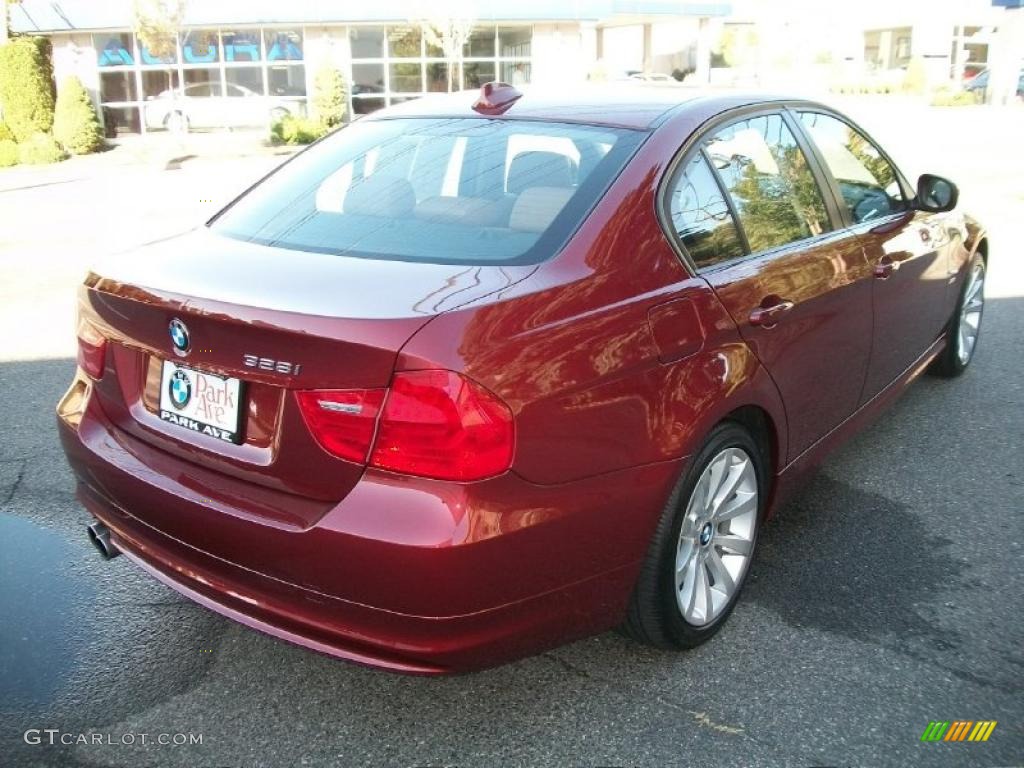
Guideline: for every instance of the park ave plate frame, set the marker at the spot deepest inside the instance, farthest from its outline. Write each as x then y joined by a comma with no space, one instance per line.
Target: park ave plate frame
202,402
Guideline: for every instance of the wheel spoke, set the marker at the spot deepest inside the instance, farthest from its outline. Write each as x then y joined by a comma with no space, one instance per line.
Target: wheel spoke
734,545
741,504
723,579
682,562
718,468
974,290
729,485
700,493
708,602
972,318
690,599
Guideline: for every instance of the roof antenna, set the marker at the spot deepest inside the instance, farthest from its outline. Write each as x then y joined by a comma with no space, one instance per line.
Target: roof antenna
496,97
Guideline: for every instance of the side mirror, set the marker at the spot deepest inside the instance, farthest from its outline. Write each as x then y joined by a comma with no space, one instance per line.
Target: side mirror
936,194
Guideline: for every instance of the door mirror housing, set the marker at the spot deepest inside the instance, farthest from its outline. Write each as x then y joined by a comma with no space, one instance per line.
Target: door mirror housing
935,194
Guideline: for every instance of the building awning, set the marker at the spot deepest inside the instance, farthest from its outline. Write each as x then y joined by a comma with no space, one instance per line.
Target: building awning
46,16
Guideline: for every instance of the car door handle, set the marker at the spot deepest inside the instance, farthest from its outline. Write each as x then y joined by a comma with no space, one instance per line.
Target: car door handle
885,267
768,316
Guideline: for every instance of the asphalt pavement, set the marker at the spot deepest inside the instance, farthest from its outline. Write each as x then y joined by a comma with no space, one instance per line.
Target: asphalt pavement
886,595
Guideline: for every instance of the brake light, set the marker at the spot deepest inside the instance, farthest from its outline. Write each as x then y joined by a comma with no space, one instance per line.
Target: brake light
440,424
92,349
342,421
434,423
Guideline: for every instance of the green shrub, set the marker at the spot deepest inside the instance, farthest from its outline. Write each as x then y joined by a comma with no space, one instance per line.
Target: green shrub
946,97
5,132
8,153
915,79
75,124
26,86
41,148
291,129
329,102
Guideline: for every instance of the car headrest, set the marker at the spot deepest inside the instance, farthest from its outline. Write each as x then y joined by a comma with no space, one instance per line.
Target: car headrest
380,195
536,208
470,211
539,169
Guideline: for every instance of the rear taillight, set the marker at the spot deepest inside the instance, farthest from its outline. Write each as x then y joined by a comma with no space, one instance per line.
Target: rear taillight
342,421
92,349
440,424
434,424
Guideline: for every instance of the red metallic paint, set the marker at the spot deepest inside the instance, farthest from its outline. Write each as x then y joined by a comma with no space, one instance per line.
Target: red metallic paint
910,306
817,351
615,360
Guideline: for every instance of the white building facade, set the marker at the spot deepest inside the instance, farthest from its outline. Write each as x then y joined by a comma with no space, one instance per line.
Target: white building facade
231,51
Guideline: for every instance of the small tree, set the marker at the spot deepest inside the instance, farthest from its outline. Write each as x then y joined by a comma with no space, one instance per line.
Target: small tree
75,124
448,26
156,23
329,103
26,86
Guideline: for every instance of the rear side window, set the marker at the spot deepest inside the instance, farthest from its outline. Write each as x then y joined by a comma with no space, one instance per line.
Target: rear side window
776,197
701,217
452,190
867,182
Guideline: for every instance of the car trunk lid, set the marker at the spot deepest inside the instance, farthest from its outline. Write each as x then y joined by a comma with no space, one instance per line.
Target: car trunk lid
277,320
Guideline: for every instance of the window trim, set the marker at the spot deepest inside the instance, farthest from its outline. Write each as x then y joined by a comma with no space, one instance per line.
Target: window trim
695,143
741,231
833,185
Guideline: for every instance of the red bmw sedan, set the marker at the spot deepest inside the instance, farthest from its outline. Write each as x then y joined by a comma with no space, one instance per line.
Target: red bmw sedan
479,375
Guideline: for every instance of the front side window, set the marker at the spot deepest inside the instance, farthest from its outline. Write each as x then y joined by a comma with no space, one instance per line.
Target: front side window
701,217
452,190
867,182
776,197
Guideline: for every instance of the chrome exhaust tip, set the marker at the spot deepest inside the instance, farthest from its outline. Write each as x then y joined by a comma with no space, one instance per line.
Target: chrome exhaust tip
99,535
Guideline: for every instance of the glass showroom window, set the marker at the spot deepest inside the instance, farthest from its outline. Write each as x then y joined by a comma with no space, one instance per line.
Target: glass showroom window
243,65
216,78
396,63
514,51
119,82
286,70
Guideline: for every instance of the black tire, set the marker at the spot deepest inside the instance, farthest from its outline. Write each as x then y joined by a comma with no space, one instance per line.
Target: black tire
950,363
654,616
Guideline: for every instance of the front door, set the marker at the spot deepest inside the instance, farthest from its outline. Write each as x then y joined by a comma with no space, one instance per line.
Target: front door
800,293
907,249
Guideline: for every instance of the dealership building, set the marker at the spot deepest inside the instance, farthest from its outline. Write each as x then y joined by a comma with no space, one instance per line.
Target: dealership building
267,53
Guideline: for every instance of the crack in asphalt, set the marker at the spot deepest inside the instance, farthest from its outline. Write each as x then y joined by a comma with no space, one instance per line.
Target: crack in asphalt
19,476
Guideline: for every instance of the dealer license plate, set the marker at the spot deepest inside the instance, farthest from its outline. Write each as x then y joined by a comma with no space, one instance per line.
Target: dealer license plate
201,402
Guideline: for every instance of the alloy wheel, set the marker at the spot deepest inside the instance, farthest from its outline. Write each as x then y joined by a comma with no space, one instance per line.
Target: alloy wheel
970,314
716,539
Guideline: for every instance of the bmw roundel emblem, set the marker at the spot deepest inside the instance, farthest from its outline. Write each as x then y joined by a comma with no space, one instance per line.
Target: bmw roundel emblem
180,389
179,337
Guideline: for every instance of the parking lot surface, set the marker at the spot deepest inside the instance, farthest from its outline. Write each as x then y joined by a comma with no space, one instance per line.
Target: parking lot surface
886,595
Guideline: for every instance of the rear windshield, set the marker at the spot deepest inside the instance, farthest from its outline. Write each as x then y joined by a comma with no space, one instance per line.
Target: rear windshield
457,190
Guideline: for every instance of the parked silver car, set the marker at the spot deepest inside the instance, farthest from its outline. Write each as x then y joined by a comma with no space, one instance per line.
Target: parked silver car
203,105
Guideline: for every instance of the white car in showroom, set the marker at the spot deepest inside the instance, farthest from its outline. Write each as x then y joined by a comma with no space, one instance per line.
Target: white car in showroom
202,105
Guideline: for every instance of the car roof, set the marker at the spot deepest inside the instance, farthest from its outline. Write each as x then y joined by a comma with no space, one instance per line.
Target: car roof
626,105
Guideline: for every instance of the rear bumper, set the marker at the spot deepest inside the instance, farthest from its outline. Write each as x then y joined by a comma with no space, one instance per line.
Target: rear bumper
411,575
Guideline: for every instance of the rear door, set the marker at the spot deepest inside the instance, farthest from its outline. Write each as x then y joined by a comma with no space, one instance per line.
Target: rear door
797,286
908,250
